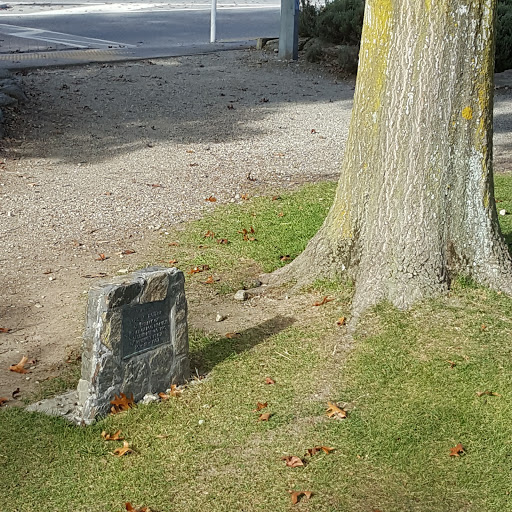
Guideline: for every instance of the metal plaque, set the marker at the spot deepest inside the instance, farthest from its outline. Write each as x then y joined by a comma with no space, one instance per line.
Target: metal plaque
144,327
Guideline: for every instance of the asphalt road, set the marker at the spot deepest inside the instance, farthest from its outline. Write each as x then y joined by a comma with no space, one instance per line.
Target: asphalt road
166,25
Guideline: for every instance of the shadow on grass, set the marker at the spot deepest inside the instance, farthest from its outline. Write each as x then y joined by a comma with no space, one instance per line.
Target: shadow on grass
207,351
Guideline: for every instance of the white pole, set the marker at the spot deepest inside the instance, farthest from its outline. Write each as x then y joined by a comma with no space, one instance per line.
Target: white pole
213,22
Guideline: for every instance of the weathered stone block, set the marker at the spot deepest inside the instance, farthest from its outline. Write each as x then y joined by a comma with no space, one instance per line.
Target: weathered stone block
135,340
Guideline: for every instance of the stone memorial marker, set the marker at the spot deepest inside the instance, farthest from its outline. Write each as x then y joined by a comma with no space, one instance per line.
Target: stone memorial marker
135,341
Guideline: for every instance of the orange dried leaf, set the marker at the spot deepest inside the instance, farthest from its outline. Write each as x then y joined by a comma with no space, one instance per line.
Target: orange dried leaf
5,329
260,406
20,367
174,244
452,364
127,251
116,436
318,449
122,403
163,396
325,300
210,280
483,327
280,214
456,451
101,257
276,198
174,391
245,197
209,234
224,241
190,151
487,392
265,416
292,461
173,262
341,321
211,199
268,380
123,451
296,495
3,400
334,411
232,335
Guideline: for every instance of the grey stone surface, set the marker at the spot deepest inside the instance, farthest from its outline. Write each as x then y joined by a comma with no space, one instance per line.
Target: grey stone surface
7,101
135,341
14,91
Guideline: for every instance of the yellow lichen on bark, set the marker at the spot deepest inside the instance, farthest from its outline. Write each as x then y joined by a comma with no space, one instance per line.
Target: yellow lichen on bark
467,113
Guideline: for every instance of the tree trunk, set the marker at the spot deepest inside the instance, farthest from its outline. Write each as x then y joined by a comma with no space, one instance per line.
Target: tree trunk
415,201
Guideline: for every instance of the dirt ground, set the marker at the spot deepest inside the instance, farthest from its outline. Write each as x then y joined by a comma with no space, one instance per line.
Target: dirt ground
106,158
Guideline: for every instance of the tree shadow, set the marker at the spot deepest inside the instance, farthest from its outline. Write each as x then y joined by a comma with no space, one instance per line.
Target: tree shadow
99,112
207,351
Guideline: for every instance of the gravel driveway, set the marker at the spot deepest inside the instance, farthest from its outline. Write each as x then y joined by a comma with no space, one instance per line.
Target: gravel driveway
106,157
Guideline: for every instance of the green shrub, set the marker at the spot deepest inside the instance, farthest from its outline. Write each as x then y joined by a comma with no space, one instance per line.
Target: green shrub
307,19
314,52
504,36
348,59
341,21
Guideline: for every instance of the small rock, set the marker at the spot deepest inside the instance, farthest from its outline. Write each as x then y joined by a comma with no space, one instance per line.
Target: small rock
220,318
149,397
503,212
201,422
241,295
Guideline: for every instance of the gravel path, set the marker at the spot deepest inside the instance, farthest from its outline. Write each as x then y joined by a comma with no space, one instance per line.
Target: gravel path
105,158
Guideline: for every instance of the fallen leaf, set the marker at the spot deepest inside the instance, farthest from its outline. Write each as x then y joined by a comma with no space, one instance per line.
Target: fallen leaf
224,241
127,251
452,364
318,449
130,508
5,329
174,391
15,392
116,436
325,300
292,461
3,400
190,151
313,131
341,321
20,367
280,214
265,416
174,244
101,257
285,258
260,406
334,411
123,451
173,262
163,396
232,335
268,380
122,403
211,199
209,234
193,164
94,276
456,451
483,327
296,495
210,280
487,392
245,197
276,198
155,185
231,107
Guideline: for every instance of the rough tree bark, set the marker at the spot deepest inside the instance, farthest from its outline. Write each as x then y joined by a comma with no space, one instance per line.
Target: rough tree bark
415,201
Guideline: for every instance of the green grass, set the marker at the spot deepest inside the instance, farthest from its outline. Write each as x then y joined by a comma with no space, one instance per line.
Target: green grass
282,227
410,383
